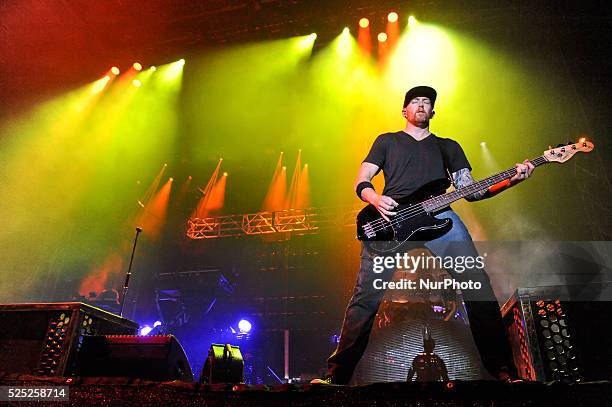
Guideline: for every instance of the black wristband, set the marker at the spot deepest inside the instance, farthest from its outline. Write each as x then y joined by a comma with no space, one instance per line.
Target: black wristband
361,186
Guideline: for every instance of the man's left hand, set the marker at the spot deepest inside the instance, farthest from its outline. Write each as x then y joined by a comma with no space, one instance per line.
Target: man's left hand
523,171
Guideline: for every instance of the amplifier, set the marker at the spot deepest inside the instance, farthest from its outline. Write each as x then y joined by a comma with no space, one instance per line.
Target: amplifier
43,339
556,339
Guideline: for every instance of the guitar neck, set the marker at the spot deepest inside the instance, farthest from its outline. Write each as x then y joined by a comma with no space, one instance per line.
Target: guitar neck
442,201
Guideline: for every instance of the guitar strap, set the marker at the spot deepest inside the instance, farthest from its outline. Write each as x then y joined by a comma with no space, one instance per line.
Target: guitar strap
449,176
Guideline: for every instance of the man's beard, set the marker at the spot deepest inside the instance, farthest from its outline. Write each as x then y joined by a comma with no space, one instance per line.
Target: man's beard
420,119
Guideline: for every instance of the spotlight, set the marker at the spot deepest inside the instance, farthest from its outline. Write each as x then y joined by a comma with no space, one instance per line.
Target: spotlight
364,22
346,31
145,330
153,68
182,61
100,84
137,66
392,17
156,324
244,326
171,180
483,144
225,174
284,168
136,83
115,70
224,364
382,37
306,42
411,21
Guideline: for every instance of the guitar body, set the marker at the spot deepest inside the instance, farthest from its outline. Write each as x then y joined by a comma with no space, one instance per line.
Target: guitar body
411,223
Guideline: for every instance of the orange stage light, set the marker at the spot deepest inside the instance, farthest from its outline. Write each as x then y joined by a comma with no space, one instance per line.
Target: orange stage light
383,49
154,213
299,194
210,199
364,38
302,199
148,196
275,197
393,29
217,195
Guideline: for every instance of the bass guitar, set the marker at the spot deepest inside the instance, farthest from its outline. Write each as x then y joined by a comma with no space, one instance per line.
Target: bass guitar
414,220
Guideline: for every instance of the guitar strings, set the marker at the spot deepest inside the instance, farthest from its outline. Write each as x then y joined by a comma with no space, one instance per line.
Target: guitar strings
408,212
411,211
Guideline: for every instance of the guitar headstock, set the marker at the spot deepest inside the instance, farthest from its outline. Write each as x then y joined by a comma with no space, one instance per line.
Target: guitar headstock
564,152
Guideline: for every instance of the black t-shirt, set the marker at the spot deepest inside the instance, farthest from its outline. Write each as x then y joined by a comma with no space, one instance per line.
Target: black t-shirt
408,164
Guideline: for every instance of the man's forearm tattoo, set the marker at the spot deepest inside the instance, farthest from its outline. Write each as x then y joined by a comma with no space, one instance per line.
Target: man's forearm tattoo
463,178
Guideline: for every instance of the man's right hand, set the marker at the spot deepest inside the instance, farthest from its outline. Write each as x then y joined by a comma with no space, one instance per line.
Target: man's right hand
385,205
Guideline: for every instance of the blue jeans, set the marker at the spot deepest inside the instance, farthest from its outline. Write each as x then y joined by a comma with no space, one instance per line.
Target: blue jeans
482,308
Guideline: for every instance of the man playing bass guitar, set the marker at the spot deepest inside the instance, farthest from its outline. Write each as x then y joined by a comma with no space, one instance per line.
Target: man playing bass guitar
410,159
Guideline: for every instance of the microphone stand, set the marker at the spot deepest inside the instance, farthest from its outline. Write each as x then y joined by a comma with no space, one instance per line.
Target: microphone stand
129,272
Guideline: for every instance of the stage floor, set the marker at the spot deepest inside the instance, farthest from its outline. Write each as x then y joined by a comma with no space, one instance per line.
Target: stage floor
133,392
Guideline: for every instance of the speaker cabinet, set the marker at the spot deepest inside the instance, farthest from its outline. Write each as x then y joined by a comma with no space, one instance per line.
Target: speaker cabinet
43,339
556,339
157,357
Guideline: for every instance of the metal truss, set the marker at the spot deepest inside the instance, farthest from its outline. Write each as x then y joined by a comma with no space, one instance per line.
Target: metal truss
309,220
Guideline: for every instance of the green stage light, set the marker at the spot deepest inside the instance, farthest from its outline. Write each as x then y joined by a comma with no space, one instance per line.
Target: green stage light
99,85
173,71
344,43
306,42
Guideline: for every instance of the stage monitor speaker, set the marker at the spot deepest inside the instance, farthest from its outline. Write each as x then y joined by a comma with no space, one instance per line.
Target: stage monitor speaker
43,339
556,339
157,357
223,365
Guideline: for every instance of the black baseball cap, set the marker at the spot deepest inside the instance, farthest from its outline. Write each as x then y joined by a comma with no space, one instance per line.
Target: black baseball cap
421,91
